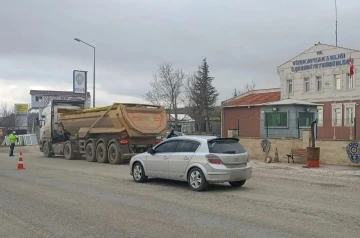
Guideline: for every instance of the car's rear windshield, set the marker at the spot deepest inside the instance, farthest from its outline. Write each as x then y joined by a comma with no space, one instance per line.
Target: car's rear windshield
225,147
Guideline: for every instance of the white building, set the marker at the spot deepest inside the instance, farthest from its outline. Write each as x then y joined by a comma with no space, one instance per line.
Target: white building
321,74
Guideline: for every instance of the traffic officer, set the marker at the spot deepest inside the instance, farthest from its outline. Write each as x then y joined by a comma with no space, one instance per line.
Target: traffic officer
12,138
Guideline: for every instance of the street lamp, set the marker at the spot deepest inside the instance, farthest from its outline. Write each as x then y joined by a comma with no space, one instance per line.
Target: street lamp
77,39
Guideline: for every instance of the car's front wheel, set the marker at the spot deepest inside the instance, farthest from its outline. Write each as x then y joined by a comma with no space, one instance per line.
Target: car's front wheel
197,180
237,184
138,173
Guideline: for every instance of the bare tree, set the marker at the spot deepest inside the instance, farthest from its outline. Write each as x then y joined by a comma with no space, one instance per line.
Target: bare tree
247,88
8,118
167,88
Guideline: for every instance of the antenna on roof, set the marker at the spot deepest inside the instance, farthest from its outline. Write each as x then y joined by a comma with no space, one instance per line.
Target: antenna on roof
336,35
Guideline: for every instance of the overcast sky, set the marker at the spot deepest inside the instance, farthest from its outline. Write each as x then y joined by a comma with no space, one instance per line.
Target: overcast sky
242,41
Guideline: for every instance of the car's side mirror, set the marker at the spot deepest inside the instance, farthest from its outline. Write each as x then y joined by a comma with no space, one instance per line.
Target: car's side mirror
151,151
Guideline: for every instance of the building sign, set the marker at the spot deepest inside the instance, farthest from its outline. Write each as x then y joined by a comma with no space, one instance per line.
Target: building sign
79,81
320,62
21,108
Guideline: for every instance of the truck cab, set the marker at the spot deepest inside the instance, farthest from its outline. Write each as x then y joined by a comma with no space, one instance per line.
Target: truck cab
49,125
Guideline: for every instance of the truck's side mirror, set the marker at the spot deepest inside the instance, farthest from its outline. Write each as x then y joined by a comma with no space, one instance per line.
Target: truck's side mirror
37,121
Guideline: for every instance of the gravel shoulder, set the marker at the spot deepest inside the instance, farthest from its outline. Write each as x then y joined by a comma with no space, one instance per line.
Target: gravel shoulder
53,197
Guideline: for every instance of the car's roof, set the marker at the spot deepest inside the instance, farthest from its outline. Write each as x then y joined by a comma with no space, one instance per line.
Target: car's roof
197,138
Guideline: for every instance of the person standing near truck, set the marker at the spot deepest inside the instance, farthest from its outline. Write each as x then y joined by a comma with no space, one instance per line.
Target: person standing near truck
12,138
171,134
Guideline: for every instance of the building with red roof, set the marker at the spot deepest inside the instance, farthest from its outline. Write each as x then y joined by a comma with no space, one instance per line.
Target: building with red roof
245,110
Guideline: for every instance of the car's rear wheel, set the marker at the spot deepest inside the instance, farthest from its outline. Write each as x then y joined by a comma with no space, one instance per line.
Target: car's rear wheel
197,180
237,184
138,173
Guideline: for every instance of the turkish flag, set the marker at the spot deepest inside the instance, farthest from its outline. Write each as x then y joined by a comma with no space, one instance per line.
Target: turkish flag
351,71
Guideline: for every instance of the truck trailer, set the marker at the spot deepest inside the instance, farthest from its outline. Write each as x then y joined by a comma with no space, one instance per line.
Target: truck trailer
111,134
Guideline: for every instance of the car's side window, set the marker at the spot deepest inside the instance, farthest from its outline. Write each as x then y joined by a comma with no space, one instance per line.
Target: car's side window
167,147
187,146
195,146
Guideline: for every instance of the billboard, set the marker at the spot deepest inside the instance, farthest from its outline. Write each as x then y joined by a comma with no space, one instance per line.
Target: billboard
79,81
21,108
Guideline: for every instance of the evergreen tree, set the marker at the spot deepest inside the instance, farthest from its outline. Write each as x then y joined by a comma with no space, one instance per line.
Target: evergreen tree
203,94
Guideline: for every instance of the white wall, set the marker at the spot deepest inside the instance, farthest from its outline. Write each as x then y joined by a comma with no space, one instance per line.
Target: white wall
287,71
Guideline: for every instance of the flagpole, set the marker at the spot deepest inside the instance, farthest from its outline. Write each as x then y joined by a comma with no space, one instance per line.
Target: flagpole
334,119
352,117
336,21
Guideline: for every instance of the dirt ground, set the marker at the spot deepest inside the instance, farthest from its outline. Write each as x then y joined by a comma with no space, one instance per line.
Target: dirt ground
54,197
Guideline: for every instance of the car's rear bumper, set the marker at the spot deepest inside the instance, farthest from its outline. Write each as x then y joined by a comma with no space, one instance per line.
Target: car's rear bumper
218,175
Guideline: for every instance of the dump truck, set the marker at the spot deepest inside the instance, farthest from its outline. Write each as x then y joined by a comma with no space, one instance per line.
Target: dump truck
111,134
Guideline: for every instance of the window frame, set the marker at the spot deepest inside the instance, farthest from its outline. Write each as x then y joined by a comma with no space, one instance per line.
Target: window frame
318,79
334,107
306,81
305,126
266,122
288,83
187,141
320,121
166,142
335,82
348,80
346,115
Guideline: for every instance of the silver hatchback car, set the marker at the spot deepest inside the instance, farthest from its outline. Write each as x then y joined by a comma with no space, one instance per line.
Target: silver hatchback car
197,160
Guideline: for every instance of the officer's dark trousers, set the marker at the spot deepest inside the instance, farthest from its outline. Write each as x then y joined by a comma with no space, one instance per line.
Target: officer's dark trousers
12,146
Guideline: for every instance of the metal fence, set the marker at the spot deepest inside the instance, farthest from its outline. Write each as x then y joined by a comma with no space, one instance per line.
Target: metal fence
292,128
329,129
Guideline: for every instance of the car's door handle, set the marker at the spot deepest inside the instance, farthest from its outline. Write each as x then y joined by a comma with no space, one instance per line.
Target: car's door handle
186,158
165,157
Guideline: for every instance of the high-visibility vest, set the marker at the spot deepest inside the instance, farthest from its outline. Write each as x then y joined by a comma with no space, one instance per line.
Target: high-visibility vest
12,138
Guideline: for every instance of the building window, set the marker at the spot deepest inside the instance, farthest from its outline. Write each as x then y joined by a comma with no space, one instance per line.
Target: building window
349,82
307,84
38,98
336,115
320,115
319,83
305,119
289,86
349,114
276,119
337,81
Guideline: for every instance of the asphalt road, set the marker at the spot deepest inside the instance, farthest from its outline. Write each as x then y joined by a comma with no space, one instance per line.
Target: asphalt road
53,197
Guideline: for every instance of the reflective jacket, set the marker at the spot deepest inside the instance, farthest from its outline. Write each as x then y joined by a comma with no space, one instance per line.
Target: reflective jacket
12,138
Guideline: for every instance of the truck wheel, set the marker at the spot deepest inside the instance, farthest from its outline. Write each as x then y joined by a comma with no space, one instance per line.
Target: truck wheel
68,153
113,154
46,149
101,153
90,152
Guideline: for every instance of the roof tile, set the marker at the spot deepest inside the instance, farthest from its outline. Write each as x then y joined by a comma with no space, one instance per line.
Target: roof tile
255,98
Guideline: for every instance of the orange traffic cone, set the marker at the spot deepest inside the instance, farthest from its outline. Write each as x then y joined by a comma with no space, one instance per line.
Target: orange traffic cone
20,162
